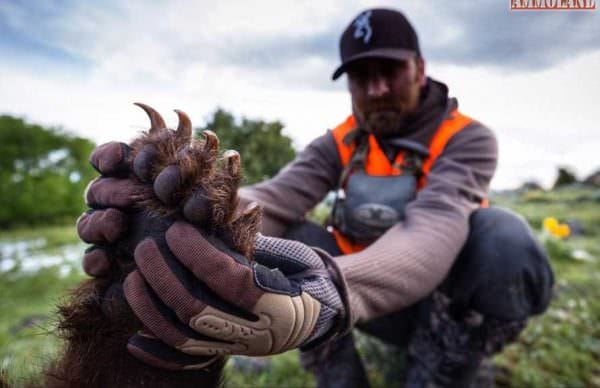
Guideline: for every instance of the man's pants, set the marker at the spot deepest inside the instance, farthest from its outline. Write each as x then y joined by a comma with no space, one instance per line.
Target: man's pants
500,278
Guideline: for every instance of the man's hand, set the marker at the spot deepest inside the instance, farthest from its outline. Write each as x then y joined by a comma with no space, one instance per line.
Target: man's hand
198,296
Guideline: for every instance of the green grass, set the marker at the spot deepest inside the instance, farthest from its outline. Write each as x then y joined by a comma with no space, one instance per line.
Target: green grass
558,349
27,301
561,348
54,236
283,371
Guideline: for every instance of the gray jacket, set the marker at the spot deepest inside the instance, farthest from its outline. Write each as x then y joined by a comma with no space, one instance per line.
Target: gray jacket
412,258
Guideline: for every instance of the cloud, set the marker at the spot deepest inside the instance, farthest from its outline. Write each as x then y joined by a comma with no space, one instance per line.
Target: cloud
134,40
21,38
483,33
530,76
490,34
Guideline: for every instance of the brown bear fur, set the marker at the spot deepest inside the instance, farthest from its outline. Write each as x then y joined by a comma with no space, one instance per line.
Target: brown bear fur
95,320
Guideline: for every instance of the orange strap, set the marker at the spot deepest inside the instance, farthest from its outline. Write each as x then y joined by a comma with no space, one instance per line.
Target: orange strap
346,246
455,122
377,163
339,133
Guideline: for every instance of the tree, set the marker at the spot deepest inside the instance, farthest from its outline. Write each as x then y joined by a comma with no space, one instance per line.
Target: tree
43,173
564,177
263,147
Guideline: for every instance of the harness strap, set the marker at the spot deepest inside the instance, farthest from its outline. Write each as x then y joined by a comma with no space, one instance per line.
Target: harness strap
357,160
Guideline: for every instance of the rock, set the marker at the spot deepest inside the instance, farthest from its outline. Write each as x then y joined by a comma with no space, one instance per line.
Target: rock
27,322
576,227
253,365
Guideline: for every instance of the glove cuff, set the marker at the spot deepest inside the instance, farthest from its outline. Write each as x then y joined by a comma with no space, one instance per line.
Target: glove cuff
343,324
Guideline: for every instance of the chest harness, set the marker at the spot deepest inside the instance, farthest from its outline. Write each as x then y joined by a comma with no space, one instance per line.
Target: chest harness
373,189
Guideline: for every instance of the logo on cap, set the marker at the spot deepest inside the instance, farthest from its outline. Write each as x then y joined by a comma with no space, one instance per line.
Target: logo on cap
362,27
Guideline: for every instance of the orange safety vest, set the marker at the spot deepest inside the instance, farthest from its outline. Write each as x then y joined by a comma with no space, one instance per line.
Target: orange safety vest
377,163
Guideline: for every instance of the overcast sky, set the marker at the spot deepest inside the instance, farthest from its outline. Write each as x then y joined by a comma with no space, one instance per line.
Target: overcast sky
533,77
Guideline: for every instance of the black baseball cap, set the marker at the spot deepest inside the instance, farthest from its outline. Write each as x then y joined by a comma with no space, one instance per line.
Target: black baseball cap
377,33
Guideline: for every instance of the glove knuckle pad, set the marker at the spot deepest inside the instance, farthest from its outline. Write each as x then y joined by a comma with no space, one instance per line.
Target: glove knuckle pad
284,323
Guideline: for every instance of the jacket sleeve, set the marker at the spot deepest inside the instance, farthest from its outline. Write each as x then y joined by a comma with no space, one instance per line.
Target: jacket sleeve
412,258
298,187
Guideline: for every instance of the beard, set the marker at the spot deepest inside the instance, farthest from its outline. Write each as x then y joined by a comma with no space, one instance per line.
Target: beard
385,123
389,116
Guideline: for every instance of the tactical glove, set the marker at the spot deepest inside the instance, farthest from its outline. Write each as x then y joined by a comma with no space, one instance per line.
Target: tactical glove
198,296
191,304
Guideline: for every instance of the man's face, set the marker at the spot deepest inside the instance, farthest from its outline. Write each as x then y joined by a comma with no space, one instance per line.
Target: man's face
385,93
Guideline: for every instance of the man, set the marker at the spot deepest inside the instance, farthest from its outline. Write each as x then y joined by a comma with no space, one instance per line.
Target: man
413,254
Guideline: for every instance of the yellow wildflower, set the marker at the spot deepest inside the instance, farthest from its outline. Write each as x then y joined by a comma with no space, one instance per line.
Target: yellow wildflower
556,229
